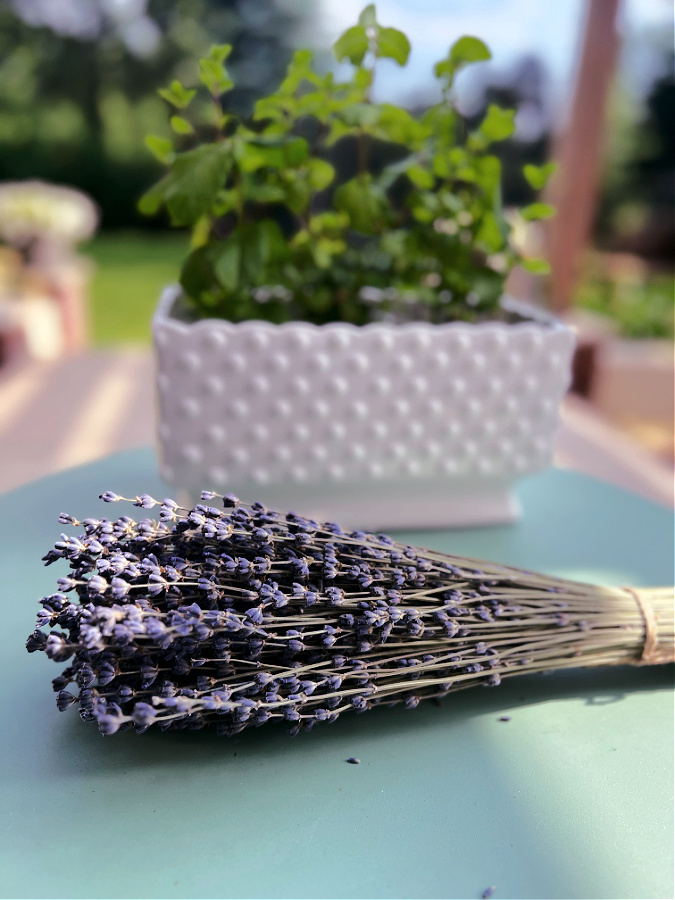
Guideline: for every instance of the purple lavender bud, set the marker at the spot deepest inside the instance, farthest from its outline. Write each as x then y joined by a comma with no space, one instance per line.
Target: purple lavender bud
57,648
149,674
415,628
208,495
106,673
300,568
261,566
145,501
230,501
254,615
156,584
115,563
488,892
260,716
67,519
108,724
143,714
359,702
44,617
109,497
66,584
85,676
97,584
64,700
335,595
119,588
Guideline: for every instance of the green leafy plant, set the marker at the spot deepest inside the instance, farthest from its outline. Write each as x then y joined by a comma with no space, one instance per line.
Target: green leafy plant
324,205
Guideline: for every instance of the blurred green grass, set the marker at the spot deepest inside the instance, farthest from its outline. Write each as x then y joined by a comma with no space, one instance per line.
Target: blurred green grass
639,310
131,268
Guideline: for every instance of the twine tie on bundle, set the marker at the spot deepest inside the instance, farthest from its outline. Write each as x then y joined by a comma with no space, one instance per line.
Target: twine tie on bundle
650,655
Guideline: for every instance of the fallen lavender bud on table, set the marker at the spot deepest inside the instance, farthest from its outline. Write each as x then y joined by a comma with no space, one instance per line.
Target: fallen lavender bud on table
232,615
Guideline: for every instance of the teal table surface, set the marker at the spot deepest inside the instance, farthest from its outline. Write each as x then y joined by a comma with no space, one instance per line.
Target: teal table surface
573,797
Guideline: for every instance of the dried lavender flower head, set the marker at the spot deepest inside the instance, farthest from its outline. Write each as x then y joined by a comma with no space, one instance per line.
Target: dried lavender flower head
230,615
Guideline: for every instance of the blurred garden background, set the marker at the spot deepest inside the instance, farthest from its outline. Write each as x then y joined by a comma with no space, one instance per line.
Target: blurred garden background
78,95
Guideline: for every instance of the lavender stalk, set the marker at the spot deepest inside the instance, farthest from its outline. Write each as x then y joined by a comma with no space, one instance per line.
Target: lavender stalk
234,615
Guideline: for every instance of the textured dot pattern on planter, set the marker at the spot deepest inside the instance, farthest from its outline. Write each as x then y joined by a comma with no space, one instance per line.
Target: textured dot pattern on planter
257,403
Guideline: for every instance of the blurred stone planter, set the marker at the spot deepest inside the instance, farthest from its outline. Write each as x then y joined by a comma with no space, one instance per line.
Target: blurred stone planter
382,426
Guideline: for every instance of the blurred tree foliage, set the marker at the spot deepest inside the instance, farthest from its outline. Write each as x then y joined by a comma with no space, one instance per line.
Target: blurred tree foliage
78,82
638,190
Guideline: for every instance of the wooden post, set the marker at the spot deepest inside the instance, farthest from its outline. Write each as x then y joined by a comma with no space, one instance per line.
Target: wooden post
579,151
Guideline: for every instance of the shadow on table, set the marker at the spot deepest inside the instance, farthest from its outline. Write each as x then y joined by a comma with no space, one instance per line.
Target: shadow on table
78,747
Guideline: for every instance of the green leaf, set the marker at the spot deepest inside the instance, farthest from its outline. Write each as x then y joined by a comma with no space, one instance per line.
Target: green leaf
536,266
489,233
298,194
299,70
319,173
325,249
278,153
368,18
227,263
363,203
201,231
396,124
328,222
195,178
441,165
269,108
197,273
177,95
352,45
537,211
363,115
212,73
181,125
296,152
420,177
224,202
219,52
488,173
273,245
152,199
393,44
468,50
538,176
463,52
160,147
422,214
265,193
498,123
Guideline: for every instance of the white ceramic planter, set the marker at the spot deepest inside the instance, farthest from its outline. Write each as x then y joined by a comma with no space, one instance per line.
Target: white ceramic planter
382,426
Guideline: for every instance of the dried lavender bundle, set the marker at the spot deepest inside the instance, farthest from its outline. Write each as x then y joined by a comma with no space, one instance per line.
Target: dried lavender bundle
236,615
